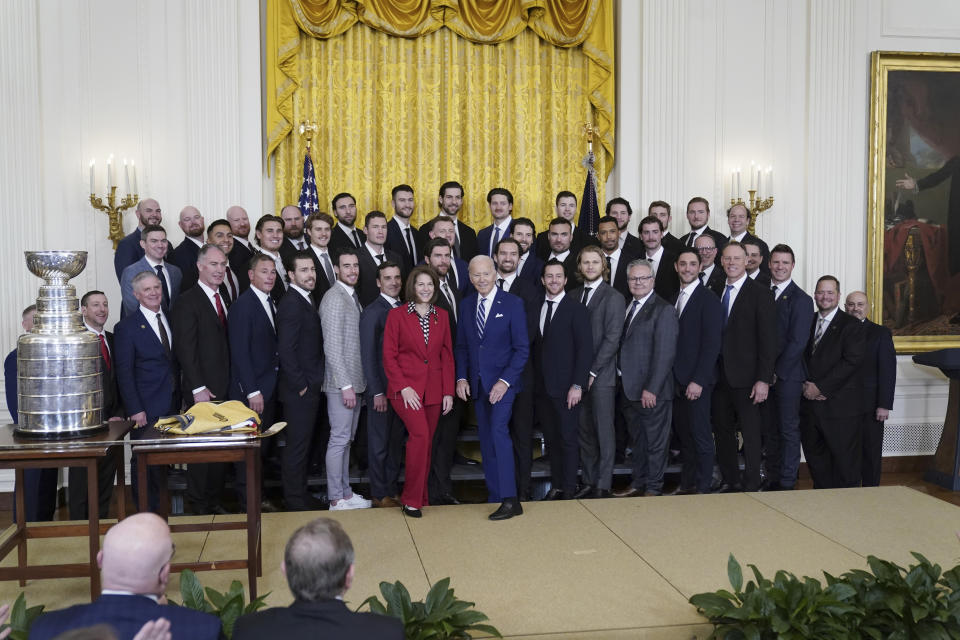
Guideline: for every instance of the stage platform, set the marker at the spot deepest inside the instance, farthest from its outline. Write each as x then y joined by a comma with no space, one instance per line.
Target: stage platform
592,569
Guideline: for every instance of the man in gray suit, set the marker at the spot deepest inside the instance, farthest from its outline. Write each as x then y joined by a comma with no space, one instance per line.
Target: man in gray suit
153,241
648,344
343,382
606,308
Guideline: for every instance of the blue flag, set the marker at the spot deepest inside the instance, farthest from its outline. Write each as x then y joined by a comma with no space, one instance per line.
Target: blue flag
309,202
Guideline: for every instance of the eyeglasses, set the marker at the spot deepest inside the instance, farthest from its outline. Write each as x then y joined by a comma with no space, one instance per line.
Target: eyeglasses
639,279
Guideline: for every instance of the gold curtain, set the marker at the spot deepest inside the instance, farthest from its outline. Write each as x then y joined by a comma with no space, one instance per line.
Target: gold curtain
401,99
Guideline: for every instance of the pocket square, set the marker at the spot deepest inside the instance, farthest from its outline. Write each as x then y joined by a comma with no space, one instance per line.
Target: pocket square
499,315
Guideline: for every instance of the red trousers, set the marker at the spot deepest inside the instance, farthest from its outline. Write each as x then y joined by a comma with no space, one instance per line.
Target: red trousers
420,427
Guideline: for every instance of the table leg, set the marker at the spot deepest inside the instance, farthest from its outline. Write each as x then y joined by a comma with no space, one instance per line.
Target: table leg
121,484
93,511
253,518
142,481
164,505
20,511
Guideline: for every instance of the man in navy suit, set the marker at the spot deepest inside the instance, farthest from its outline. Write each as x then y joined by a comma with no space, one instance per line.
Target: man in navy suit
666,283
879,382
782,416
698,215
661,210
616,256
254,356
154,244
565,205
450,201
500,201
492,349
459,275
242,250
135,568
150,380
384,429
530,266
711,273
560,234
293,237
563,349
318,564
402,236
738,219
129,249
694,373
185,255
372,254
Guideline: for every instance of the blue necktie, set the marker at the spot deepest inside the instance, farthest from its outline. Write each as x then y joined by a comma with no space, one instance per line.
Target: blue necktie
725,301
496,239
481,317
163,286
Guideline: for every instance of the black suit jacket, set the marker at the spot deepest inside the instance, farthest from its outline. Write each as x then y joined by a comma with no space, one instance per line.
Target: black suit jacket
532,268
698,343
373,320
322,285
339,240
367,289
300,345
764,251
468,242
322,619
185,257
397,243
200,344
239,259
879,368
579,241
112,407
835,366
672,243
633,245
288,248
749,349
619,279
762,279
667,284
717,280
563,356
445,305
570,270
719,237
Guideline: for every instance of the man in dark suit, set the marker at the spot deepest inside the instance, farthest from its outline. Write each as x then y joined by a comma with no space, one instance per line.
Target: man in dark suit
530,266
293,238
95,310
748,355
738,219
666,283
755,258
154,243
219,234
458,277
617,257
450,201
621,211
269,233
491,351
185,255
694,373
203,351
711,274
566,207
300,347
384,429
781,435
254,355
879,382
345,235
150,376
319,566
522,417
698,215
129,249
500,201
439,486
606,309
135,567
402,236
830,414
242,249
563,349
372,254
661,210
560,234
648,344
318,227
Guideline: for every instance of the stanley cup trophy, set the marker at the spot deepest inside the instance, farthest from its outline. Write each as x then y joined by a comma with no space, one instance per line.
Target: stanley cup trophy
58,362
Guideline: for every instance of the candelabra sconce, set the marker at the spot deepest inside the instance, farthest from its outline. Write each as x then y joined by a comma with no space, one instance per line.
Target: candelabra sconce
113,209
757,205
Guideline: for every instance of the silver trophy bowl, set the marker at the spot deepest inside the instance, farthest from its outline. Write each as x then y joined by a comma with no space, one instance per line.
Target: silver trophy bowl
59,383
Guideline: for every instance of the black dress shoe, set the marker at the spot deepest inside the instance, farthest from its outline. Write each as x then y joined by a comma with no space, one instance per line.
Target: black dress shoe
219,510
266,506
585,491
680,491
448,499
629,492
554,494
510,507
411,511
728,488
462,459
600,493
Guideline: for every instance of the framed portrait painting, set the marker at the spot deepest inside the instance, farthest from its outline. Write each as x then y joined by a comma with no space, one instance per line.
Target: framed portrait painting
913,243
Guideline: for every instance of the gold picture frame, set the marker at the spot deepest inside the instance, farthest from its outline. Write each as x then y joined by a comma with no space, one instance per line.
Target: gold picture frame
913,198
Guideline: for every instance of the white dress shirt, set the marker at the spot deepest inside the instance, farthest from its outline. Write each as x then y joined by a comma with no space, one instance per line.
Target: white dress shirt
733,292
544,307
592,285
684,296
507,280
781,288
504,226
151,317
655,259
559,256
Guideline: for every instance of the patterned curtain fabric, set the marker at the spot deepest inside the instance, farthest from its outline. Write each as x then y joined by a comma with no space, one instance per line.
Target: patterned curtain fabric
399,98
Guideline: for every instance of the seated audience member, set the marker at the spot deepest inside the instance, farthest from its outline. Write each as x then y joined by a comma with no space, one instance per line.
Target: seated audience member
135,566
318,565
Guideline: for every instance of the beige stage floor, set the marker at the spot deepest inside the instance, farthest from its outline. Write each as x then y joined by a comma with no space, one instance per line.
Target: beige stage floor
611,569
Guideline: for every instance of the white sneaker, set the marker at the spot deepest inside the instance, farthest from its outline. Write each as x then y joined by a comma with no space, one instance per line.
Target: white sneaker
340,506
357,501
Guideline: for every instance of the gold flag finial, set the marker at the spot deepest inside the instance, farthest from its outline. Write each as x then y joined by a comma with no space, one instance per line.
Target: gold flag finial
308,128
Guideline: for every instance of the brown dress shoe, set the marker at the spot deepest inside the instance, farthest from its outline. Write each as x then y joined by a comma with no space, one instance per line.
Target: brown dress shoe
386,502
629,492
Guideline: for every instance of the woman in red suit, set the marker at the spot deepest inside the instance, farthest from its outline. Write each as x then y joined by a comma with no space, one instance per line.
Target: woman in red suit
418,361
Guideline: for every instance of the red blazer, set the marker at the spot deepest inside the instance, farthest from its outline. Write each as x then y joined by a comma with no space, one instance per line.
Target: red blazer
408,362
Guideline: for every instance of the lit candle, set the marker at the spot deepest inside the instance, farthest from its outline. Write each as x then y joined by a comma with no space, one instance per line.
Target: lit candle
109,172
752,175
769,181
758,180
133,164
126,175
733,185
93,177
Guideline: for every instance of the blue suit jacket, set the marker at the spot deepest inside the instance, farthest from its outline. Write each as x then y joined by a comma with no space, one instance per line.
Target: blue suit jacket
128,251
698,343
464,286
126,614
148,377
373,320
254,358
172,273
532,268
300,343
486,234
793,326
504,348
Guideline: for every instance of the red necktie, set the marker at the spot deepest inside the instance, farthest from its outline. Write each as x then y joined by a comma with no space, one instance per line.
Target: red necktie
104,351
220,312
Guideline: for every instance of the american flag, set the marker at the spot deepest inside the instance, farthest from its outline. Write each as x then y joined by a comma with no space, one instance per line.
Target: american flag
309,202
589,210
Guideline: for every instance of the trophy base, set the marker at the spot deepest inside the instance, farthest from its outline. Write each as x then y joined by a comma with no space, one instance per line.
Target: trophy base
71,434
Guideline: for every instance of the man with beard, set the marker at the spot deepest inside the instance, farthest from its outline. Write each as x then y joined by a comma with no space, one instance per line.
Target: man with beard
402,236
616,254
345,235
185,255
129,249
450,201
566,207
560,234
529,266
293,238
666,283
242,250
698,215
458,276
621,211
500,201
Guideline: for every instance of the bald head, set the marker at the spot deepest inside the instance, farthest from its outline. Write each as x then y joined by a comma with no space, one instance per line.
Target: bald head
239,222
857,305
191,221
148,212
136,555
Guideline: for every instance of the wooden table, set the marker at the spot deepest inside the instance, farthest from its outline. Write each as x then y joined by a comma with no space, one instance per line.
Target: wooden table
32,453
160,449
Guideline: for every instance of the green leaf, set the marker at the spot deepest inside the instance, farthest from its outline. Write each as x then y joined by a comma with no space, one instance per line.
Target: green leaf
734,573
438,593
18,613
375,605
218,599
191,591
487,629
